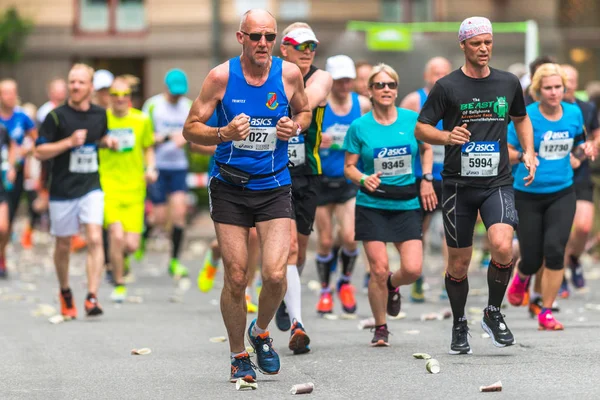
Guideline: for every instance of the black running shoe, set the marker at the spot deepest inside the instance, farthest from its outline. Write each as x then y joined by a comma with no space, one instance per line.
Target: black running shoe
282,318
493,323
380,338
394,302
460,339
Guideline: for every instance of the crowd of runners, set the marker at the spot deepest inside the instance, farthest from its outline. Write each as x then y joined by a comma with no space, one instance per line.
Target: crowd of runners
296,148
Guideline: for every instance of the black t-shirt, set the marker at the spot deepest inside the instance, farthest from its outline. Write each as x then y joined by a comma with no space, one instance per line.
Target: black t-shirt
74,173
485,106
590,119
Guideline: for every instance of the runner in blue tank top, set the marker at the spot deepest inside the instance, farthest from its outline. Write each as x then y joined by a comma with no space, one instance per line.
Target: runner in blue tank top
436,68
336,194
250,184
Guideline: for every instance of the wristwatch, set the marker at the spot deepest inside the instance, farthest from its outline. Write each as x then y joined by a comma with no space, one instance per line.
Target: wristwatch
428,177
520,156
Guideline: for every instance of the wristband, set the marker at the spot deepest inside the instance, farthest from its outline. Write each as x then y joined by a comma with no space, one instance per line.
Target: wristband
362,180
299,130
219,134
520,158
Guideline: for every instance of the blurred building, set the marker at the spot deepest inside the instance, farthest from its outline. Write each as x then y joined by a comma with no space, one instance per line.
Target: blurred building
147,37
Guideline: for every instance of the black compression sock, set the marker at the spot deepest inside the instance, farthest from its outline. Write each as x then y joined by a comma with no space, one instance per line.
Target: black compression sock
323,269
458,290
390,287
348,261
498,278
66,292
176,237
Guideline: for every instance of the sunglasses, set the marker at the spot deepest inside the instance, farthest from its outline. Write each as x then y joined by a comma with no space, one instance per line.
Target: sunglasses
312,46
255,37
381,85
120,93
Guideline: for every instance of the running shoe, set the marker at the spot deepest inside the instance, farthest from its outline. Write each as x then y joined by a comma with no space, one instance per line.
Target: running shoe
394,302
444,294
548,323
109,277
517,290
416,292
77,243
325,304
576,273
266,358
346,293
119,294
141,251
92,307
563,292
177,270
242,367
486,258
535,307
26,238
3,272
282,318
494,325
299,340
380,338
250,306
67,305
206,277
460,339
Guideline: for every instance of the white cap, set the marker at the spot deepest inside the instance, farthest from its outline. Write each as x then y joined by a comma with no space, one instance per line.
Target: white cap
103,79
299,36
341,67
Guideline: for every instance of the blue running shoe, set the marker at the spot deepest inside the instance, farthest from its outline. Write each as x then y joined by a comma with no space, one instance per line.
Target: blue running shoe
109,277
242,367
563,292
299,340
576,273
266,358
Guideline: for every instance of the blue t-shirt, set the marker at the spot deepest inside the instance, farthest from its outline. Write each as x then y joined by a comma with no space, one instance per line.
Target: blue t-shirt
438,150
390,149
553,141
18,125
261,152
332,159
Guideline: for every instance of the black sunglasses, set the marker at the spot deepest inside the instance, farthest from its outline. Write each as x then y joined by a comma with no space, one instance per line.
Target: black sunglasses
381,85
255,37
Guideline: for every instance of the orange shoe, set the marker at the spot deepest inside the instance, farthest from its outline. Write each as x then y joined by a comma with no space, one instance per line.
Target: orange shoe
92,307
346,293
535,307
525,301
325,304
77,243
67,305
26,238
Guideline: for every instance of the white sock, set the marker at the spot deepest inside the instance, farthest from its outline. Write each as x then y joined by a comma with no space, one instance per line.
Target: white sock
256,330
293,296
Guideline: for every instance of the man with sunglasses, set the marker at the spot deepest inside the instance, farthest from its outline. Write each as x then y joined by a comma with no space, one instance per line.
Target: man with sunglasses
168,112
298,46
70,136
436,68
250,183
124,173
476,103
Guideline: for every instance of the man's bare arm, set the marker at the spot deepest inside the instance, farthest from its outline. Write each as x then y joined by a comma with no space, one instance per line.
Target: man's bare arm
412,101
318,88
195,129
365,104
301,112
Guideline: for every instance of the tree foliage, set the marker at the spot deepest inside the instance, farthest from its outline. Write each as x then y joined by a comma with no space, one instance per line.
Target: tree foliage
13,33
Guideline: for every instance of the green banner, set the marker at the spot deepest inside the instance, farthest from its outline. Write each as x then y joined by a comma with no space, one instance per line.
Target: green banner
389,39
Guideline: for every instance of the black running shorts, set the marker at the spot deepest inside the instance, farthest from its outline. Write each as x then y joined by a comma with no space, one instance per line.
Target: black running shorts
335,191
460,205
234,205
584,190
390,226
305,189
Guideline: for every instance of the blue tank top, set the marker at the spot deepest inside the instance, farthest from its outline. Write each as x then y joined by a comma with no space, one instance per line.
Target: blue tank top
332,159
261,152
438,150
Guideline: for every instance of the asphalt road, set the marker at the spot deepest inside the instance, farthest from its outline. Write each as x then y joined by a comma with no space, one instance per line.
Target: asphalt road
91,359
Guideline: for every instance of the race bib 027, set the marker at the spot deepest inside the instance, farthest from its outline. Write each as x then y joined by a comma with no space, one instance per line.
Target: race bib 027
84,159
555,145
297,151
262,137
480,159
393,161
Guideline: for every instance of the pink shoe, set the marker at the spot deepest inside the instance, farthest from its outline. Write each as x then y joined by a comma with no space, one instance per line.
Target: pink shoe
516,290
548,323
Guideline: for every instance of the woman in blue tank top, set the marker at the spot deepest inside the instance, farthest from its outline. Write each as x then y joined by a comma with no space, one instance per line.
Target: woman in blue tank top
546,207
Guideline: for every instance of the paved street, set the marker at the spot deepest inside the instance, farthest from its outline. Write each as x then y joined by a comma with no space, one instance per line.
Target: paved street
90,359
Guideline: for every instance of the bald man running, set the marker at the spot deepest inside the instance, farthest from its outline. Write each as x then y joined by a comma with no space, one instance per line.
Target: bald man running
428,181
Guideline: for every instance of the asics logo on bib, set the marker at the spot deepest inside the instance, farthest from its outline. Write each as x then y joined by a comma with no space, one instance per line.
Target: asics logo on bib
480,147
555,135
262,121
296,139
393,151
